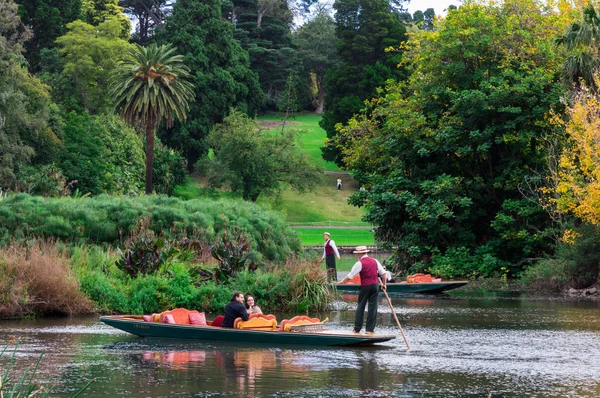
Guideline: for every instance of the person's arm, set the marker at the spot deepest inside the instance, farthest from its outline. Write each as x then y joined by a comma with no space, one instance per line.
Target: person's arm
323,258
335,249
381,272
356,268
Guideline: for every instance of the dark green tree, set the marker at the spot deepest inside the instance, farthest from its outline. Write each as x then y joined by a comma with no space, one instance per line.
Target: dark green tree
29,123
251,161
365,29
48,20
220,73
149,86
263,27
316,42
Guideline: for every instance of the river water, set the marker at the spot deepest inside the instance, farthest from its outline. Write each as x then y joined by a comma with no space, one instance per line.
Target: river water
459,348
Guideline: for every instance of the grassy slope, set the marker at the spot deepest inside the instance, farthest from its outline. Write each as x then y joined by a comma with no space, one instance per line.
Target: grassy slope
341,236
312,137
324,206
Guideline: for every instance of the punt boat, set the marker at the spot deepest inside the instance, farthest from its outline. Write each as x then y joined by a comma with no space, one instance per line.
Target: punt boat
403,287
136,325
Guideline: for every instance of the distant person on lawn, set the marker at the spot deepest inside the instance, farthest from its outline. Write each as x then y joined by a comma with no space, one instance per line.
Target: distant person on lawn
235,309
330,252
339,184
369,269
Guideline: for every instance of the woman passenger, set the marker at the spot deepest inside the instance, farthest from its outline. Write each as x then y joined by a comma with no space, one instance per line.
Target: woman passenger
251,307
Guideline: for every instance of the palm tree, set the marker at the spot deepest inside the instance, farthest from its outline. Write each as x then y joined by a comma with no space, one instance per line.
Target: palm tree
582,40
149,85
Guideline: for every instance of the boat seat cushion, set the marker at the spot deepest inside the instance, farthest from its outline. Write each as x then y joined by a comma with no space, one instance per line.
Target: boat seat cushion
181,315
355,280
147,318
197,318
218,321
169,319
257,323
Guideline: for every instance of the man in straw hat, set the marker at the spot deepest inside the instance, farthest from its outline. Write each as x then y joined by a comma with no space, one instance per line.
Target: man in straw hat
330,252
368,268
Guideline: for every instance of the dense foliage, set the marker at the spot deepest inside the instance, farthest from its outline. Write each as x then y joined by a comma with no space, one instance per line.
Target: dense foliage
108,219
221,75
365,30
443,156
251,161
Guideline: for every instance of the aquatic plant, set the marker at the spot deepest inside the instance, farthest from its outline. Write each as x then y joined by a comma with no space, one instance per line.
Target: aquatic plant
24,387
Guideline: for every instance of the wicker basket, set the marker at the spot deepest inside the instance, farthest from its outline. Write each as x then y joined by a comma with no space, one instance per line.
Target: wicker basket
310,328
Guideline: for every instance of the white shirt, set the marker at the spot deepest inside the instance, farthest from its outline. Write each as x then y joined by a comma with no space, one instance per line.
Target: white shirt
356,268
333,246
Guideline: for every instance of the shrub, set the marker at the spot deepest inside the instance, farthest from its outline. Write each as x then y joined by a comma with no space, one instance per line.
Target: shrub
37,279
232,251
547,275
169,169
106,219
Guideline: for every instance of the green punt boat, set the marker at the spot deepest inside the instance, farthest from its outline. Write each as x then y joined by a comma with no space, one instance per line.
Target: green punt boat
136,325
422,288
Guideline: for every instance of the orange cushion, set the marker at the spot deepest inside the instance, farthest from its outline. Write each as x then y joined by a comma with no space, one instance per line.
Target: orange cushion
355,280
419,278
297,320
181,315
269,317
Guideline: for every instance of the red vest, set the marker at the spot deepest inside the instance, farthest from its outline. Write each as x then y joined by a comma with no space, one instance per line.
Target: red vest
328,248
368,274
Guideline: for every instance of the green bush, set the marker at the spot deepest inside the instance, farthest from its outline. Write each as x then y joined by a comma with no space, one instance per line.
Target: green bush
107,219
169,169
547,275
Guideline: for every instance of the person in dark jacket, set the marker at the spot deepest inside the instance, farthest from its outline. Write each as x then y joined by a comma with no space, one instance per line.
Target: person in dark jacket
235,309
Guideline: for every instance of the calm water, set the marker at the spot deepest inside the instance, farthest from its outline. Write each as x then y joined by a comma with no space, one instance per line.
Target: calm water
460,348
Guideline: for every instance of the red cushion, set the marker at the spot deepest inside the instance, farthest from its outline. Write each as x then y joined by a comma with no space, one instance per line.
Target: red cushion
218,321
197,318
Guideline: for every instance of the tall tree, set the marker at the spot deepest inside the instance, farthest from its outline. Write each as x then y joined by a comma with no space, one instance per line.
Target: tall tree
442,155
582,41
27,115
48,20
149,15
221,75
263,28
365,29
316,42
151,85
89,54
96,12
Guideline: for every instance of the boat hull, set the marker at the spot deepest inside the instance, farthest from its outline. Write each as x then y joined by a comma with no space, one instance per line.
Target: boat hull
422,288
138,327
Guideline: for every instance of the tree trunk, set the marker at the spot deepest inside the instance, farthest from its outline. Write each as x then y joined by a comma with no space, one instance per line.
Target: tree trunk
149,155
320,95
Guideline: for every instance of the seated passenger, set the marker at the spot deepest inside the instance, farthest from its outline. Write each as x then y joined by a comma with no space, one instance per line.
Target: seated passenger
388,275
251,306
235,309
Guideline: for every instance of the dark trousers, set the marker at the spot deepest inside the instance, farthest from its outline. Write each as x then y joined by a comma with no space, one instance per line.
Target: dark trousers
331,270
368,293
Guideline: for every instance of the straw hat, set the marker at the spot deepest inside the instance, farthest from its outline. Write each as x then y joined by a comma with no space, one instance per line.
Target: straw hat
361,249
326,233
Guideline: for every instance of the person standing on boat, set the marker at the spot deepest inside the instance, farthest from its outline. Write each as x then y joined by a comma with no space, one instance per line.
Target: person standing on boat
368,268
235,309
330,252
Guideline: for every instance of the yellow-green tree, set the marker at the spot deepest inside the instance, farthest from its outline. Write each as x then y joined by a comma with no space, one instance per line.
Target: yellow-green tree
577,177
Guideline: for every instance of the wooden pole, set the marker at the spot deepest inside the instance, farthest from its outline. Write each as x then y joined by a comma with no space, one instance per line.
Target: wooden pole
396,318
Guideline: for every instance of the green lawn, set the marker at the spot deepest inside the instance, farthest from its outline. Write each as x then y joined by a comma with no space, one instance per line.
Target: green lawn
324,206
341,236
312,137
